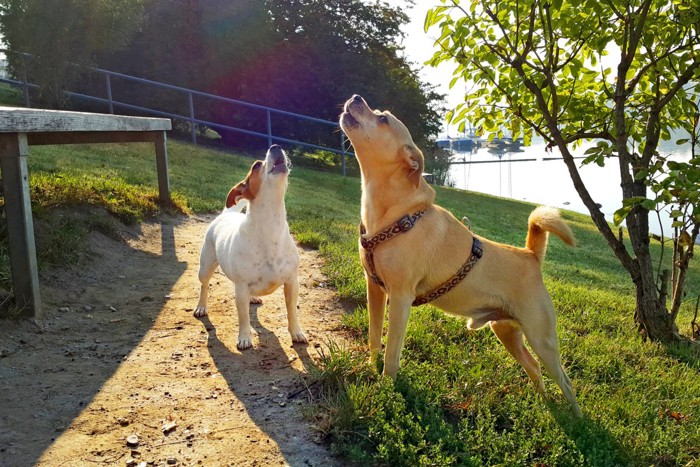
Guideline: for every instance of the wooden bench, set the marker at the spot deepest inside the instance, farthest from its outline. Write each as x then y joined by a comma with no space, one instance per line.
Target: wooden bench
23,127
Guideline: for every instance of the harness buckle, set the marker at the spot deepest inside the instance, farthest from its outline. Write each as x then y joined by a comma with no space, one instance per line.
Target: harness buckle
477,249
406,223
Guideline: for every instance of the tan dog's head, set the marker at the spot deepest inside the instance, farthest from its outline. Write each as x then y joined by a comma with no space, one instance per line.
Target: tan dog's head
265,179
381,140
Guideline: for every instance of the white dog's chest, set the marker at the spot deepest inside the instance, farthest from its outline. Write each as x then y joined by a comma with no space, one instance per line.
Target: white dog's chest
257,258
268,270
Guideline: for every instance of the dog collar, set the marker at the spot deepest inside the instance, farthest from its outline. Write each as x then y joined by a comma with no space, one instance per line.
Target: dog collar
405,224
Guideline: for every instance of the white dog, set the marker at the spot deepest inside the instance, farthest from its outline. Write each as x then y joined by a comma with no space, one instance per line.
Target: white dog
255,250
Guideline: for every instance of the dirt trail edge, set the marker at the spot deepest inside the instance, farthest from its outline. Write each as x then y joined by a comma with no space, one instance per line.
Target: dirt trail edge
119,372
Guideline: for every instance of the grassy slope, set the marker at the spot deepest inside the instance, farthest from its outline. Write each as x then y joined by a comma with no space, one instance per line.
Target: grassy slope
459,398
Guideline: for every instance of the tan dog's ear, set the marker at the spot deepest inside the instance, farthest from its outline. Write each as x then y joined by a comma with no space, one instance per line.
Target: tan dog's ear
237,193
414,160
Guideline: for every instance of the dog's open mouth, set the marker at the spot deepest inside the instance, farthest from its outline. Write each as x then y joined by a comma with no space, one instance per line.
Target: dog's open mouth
279,166
347,120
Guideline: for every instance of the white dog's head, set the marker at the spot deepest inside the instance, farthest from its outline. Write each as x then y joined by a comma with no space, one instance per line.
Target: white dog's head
381,141
265,179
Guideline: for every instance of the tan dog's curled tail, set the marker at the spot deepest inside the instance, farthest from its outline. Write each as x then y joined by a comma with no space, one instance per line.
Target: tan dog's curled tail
543,220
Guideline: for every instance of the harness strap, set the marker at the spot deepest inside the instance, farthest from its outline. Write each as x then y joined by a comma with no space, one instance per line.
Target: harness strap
477,252
405,224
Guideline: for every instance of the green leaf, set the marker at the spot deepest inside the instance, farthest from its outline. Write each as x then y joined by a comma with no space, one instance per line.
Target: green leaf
649,204
621,214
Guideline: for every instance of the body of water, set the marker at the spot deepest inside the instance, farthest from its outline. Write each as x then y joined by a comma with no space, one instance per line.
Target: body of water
530,174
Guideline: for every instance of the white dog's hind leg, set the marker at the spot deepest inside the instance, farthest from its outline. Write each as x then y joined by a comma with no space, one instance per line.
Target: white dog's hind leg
245,332
291,294
207,266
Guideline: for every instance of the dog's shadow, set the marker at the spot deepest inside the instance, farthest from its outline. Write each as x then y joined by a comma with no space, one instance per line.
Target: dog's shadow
264,380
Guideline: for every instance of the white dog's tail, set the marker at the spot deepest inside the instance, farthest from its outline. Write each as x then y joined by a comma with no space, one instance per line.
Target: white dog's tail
542,221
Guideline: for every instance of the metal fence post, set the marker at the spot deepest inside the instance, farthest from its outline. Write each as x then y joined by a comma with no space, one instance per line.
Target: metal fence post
25,87
342,148
269,128
193,132
109,93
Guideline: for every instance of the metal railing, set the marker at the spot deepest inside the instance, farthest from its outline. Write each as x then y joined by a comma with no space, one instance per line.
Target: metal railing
191,117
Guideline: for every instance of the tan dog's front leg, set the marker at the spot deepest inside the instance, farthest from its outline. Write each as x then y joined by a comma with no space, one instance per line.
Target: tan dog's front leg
291,294
376,306
245,332
399,310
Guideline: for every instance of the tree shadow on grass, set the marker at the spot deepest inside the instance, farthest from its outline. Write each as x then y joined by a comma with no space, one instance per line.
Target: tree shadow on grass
598,446
685,352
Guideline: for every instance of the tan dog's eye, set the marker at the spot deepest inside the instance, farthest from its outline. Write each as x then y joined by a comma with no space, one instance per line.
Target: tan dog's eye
383,119
257,165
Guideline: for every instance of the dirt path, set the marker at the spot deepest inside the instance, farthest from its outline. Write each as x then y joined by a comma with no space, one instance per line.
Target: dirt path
119,354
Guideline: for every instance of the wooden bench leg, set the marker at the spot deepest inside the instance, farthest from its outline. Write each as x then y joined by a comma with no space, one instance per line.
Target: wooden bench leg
14,150
162,167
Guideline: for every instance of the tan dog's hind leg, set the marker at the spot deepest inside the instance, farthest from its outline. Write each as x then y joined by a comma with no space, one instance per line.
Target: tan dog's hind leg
256,301
399,311
376,304
540,331
245,332
510,335
291,294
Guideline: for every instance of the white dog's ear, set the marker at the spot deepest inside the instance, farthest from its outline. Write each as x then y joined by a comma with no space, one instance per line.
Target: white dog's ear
237,193
414,161
247,188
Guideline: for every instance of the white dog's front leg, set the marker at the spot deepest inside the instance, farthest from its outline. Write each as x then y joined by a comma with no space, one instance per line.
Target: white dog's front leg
201,309
245,332
376,306
291,294
399,310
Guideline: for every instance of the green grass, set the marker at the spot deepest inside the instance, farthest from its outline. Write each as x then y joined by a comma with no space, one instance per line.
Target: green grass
459,399
11,96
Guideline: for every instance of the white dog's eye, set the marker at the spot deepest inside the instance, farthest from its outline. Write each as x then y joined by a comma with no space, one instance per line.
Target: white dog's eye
383,119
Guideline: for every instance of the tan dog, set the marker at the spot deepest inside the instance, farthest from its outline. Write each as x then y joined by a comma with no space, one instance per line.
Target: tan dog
503,285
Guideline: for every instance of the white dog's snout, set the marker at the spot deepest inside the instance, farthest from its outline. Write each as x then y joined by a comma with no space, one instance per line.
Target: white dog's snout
277,160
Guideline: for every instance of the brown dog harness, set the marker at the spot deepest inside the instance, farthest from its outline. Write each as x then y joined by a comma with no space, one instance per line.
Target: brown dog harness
405,224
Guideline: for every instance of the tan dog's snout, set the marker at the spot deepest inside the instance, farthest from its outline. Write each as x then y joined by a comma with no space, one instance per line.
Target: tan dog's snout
353,110
356,104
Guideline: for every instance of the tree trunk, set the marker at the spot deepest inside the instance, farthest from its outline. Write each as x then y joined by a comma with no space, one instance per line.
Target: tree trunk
652,319
651,316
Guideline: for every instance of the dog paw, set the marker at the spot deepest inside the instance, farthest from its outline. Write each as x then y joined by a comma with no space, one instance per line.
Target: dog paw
298,336
200,311
256,301
244,342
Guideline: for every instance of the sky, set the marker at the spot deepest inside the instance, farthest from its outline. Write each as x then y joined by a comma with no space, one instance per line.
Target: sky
418,47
